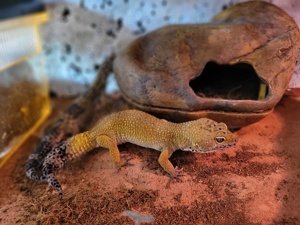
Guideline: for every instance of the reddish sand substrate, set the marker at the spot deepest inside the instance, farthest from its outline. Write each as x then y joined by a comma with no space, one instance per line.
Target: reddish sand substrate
255,182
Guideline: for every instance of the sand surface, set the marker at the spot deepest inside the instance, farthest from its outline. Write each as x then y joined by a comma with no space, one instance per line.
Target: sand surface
255,182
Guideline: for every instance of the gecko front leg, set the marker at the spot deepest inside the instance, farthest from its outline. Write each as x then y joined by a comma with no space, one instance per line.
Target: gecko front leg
166,164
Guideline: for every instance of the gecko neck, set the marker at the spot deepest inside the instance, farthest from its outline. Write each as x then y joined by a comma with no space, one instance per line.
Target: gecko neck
181,137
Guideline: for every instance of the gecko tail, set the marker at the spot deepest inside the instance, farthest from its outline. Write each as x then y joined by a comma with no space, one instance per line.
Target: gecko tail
53,181
52,163
68,123
36,159
31,167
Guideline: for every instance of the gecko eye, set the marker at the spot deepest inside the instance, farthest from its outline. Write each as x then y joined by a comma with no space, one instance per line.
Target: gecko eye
219,139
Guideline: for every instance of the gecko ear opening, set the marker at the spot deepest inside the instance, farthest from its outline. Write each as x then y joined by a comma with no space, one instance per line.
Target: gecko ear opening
234,82
221,127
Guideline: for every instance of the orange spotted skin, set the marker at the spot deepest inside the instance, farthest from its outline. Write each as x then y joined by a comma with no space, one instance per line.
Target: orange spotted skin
54,150
137,127
145,130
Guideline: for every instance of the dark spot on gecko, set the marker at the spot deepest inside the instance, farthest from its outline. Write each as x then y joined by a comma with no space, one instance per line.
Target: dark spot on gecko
110,33
126,1
93,25
30,168
43,148
153,13
224,7
164,3
65,14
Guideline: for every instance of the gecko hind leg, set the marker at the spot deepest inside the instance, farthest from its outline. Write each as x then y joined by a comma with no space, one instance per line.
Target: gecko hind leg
109,143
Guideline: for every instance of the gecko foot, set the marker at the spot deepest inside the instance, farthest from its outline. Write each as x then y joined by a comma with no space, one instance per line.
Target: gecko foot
175,176
124,162
178,172
126,158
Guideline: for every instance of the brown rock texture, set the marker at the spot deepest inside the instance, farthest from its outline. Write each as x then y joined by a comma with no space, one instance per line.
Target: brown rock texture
161,71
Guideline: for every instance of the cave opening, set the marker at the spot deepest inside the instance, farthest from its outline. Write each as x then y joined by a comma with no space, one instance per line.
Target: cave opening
234,82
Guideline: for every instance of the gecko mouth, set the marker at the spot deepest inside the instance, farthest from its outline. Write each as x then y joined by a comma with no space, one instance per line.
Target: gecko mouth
212,149
221,147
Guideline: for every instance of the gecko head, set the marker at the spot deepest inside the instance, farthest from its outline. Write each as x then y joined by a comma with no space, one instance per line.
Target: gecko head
214,137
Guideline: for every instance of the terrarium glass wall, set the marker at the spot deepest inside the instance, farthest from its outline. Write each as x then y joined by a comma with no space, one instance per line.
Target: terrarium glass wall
23,82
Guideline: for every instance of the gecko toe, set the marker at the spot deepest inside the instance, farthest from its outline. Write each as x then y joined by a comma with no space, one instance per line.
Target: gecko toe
178,172
125,160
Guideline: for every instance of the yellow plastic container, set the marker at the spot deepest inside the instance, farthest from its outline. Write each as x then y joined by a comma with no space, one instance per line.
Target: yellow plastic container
24,92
